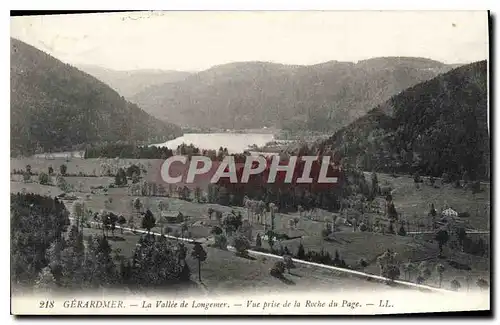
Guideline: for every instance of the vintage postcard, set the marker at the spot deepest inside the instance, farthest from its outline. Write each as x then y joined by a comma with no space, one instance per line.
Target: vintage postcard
250,163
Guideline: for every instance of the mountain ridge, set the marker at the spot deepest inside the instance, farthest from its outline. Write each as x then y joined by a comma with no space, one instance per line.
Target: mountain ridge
320,97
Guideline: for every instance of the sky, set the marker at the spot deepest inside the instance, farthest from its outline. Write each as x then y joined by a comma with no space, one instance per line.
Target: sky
198,40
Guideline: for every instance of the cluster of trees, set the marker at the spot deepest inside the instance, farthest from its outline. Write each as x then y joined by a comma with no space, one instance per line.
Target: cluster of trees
289,198
47,256
129,151
460,240
36,223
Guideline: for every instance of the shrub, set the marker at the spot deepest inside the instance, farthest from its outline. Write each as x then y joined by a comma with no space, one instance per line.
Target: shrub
241,244
391,271
363,263
482,284
278,269
476,187
402,231
301,254
216,230
43,178
455,285
220,242
287,259
258,241
325,232
363,227
426,273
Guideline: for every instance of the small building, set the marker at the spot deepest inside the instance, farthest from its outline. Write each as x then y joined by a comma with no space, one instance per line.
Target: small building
170,216
449,213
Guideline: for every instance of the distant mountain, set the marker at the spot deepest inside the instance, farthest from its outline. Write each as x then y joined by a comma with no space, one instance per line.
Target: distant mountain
55,106
438,126
129,83
322,97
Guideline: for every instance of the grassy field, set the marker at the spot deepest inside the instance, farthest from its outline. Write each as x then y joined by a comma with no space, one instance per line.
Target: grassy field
414,203
226,271
356,245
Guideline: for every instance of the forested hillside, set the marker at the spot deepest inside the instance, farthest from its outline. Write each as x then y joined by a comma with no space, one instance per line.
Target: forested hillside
129,83
55,106
321,97
438,126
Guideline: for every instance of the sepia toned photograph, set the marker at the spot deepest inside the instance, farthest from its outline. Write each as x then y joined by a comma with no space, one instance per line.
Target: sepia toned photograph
250,163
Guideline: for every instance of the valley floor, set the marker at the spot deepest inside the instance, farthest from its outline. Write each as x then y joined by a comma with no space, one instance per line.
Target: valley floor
224,271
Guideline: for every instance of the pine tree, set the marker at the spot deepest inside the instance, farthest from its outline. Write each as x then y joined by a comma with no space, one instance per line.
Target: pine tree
258,241
149,221
45,280
301,254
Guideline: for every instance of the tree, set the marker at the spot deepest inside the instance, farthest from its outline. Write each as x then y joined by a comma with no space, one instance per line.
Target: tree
388,265
79,212
416,178
135,178
168,230
287,259
442,238
301,254
455,285
184,228
270,239
440,270
113,219
425,273
149,221
200,254
482,284
390,228
26,177
98,266
278,269
362,263
392,214
62,184
120,177
122,221
402,231
392,272
43,178
258,241
409,268
197,194
432,212
137,205
220,241
420,279
162,206
45,280
63,169
241,244
375,188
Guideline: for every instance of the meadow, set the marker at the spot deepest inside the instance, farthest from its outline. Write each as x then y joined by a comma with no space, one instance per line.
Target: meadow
224,270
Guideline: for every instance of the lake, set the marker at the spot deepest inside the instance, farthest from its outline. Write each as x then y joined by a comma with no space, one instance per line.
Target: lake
234,142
